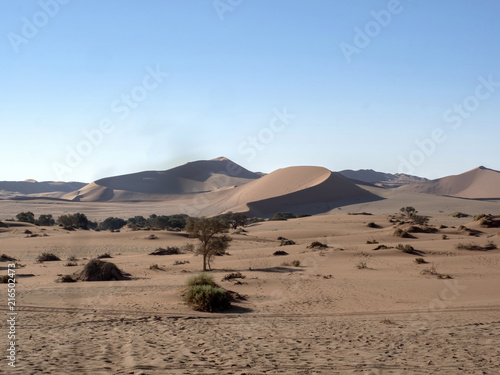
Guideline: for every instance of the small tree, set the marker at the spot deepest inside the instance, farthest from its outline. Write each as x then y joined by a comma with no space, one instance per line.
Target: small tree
112,223
211,233
408,211
234,219
26,217
45,220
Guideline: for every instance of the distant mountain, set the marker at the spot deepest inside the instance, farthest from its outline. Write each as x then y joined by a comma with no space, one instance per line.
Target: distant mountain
479,183
32,188
194,177
381,179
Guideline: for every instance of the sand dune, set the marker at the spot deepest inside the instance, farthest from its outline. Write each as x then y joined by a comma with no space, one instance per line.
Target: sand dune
53,189
380,178
194,177
479,183
305,189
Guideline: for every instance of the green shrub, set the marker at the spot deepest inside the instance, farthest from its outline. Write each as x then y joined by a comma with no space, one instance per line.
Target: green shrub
207,298
282,216
26,217
45,220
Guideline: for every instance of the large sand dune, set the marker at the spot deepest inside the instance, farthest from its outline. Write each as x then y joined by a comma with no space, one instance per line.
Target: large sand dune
479,183
380,178
32,188
195,177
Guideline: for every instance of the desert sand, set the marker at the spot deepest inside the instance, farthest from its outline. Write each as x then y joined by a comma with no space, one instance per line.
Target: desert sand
324,317
346,309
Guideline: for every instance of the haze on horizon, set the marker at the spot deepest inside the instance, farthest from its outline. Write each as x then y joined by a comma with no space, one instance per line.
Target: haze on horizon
94,89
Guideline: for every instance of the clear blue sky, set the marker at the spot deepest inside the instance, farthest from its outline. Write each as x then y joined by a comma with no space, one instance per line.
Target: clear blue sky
68,68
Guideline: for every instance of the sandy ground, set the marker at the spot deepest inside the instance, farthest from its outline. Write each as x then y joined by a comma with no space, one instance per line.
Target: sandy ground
324,317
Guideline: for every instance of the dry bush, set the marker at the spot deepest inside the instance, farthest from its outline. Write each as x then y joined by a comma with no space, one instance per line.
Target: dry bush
170,250
98,270
47,257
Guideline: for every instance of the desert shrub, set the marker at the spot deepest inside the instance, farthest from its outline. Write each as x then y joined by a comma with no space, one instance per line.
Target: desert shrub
45,220
4,279
280,253
70,264
112,223
152,237
207,298
104,256
488,221
371,224
47,257
361,265
240,231
417,229
201,279
26,217
72,258
170,250
287,242
78,221
282,216
420,220
156,267
433,272
234,219
479,217
401,233
179,262
372,242
408,211
6,258
296,263
233,275
408,249
98,270
381,247
359,213
67,279
444,237
459,214
317,245
474,247
420,261
254,220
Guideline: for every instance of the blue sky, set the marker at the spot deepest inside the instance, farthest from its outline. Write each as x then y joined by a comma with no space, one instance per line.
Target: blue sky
342,84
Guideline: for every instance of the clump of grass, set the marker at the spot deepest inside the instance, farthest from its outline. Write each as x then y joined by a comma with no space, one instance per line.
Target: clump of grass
179,262
317,245
372,224
474,247
479,217
372,242
233,275
433,272
67,279
70,264
280,253
6,258
156,267
104,256
287,242
296,263
47,257
420,261
170,250
459,214
408,249
98,270
401,233
361,265
387,321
